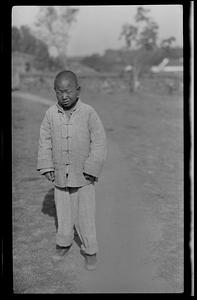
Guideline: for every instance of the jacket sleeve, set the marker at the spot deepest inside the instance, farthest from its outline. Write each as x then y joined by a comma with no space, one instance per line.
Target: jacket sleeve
98,148
45,160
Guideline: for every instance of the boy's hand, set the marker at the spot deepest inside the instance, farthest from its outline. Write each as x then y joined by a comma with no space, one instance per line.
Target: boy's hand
50,176
89,177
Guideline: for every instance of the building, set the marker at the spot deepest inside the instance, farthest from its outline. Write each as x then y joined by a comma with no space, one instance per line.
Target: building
169,66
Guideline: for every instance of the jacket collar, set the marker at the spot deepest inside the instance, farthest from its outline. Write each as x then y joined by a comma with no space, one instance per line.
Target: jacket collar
76,107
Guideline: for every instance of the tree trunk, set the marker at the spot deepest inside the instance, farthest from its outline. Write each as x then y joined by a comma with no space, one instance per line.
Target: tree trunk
64,61
134,81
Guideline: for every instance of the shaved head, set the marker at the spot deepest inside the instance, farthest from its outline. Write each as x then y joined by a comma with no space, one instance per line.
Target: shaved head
67,89
65,76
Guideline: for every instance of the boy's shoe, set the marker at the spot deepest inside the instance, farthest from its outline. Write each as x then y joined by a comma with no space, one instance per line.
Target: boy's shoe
60,252
90,261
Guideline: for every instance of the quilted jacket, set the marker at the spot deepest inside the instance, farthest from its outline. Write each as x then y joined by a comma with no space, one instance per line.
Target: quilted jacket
72,145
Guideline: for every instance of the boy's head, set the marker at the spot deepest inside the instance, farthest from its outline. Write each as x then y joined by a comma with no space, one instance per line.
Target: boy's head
66,88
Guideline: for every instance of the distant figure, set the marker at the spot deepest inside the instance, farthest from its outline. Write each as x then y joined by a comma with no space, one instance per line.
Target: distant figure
72,150
170,85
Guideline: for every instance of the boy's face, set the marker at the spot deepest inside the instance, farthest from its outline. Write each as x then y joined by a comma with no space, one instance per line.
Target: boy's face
66,92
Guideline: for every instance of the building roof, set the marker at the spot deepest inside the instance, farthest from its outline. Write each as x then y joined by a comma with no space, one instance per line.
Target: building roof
81,69
175,62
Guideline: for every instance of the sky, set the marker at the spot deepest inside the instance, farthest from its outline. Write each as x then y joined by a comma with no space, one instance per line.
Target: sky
98,27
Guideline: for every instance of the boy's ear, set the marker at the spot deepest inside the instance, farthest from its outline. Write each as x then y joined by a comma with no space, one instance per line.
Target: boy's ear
78,88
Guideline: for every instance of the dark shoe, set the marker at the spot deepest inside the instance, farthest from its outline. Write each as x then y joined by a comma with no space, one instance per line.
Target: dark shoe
90,262
60,252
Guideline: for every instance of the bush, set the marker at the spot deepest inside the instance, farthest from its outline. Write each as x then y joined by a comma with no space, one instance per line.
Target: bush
97,62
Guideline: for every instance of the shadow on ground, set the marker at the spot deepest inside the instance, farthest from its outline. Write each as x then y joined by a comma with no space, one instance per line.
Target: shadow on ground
49,208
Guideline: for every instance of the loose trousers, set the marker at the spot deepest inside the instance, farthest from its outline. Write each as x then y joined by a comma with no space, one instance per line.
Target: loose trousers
76,207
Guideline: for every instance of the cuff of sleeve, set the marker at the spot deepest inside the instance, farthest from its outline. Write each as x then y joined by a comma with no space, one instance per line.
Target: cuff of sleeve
43,171
44,164
91,176
92,169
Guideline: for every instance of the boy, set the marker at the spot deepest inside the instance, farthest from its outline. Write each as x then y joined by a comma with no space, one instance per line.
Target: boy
72,150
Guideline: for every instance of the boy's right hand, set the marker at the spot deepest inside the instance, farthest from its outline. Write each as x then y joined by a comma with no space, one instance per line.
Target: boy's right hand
50,176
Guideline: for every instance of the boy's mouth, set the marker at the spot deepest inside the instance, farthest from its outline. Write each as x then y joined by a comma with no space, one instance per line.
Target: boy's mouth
65,101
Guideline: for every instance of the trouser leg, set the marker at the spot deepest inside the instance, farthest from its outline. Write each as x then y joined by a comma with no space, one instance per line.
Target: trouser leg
65,217
86,218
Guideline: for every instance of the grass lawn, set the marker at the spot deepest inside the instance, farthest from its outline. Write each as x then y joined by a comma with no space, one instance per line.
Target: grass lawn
149,130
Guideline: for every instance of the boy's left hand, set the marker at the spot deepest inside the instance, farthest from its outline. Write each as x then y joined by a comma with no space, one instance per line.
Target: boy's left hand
89,177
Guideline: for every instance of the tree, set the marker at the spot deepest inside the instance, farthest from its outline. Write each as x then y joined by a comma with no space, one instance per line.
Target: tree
16,39
24,41
166,46
167,43
53,27
28,40
42,57
141,37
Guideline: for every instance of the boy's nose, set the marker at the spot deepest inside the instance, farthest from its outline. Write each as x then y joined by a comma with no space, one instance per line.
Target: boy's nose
64,95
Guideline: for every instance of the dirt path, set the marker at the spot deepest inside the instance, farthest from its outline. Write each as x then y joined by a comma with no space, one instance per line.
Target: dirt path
126,231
